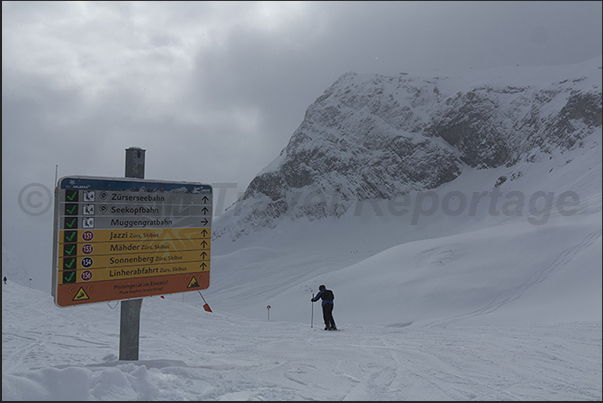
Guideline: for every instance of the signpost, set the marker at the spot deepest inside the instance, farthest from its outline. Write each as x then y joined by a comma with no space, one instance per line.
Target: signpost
128,238
124,238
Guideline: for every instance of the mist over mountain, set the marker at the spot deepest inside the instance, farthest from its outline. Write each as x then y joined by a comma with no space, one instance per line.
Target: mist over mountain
376,137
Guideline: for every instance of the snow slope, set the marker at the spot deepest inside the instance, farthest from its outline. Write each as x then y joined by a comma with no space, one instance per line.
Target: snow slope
189,354
437,265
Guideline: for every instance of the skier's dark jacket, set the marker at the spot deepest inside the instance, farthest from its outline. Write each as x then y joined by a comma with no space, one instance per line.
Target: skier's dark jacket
321,294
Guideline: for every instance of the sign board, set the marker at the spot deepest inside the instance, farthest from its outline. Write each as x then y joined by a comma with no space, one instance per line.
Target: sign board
123,238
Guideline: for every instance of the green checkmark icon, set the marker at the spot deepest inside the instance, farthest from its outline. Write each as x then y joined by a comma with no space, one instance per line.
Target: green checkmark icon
70,224
70,251
72,209
69,278
70,237
68,265
72,196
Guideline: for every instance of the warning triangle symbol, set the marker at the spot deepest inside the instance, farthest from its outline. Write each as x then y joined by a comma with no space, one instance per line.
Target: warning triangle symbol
81,295
193,283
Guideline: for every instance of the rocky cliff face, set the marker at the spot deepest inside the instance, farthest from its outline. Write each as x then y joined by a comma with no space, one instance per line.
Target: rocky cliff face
377,137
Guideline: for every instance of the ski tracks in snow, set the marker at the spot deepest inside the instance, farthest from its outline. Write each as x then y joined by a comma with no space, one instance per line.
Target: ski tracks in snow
476,363
227,357
537,277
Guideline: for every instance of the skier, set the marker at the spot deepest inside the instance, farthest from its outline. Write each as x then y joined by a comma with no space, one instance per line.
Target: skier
327,306
4,279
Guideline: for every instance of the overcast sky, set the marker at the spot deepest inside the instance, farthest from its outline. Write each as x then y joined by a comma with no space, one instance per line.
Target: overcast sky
214,90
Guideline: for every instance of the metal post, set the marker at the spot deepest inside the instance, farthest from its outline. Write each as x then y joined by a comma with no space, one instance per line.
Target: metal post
129,327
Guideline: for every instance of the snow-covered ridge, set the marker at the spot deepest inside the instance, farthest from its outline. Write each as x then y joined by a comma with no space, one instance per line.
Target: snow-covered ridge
378,137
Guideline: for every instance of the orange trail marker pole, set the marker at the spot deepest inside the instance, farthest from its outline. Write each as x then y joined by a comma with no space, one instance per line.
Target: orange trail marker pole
206,306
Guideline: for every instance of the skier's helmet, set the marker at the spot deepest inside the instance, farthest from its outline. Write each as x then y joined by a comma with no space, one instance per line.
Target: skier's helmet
322,287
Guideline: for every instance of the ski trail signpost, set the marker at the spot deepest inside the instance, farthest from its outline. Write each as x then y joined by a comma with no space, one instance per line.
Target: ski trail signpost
124,238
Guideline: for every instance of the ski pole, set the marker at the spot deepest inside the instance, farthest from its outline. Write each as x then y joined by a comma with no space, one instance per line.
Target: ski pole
312,320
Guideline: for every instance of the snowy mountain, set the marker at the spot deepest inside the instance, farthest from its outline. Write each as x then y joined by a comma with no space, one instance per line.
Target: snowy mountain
379,137
470,197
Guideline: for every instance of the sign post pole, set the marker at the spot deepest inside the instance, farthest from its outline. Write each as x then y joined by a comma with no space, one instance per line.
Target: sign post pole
129,327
